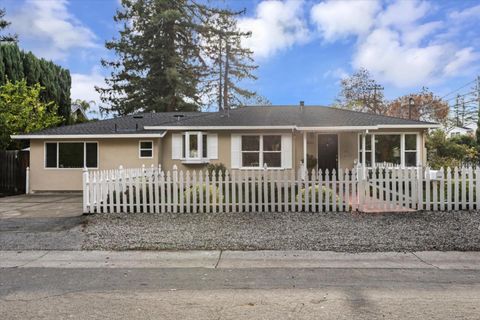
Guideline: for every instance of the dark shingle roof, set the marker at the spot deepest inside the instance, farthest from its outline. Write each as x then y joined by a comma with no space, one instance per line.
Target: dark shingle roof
263,116
308,116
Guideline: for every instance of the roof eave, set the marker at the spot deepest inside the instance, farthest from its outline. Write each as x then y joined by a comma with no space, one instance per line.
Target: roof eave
87,136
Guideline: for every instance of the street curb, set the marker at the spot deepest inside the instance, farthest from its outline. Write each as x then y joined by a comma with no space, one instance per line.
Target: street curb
240,259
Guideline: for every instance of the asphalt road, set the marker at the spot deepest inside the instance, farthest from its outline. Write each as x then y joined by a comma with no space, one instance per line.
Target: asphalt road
423,292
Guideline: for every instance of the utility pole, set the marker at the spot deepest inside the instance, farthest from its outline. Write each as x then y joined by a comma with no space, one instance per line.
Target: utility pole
225,79
456,110
477,132
220,75
375,87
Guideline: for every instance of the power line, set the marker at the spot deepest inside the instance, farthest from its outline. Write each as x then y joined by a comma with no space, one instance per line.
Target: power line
465,85
460,95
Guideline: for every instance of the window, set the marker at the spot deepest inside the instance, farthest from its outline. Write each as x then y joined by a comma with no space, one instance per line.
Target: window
367,149
71,155
51,155
272,153
410,150
258,150
387,149
194,146
250,151
146,149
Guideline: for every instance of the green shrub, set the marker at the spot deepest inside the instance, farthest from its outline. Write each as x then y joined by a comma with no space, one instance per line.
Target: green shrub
301,194
217,168
203,190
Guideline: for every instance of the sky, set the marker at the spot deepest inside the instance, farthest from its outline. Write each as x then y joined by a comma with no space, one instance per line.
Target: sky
303,48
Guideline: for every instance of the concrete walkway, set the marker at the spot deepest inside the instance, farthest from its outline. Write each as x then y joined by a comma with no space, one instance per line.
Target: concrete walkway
240,259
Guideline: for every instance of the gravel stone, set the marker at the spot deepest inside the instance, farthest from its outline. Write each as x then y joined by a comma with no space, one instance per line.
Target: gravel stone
342,232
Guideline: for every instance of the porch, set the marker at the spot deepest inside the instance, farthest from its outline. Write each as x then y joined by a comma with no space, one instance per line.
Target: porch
342,149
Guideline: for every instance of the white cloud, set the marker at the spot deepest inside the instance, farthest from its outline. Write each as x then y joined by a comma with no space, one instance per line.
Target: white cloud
462,60
472,12
394,43
338,73
83,86
338,19
277,25
403,13
51,28
383,54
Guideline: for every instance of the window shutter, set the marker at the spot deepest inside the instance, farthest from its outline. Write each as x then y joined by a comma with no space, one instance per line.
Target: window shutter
286,151
176,146
236,143
212,146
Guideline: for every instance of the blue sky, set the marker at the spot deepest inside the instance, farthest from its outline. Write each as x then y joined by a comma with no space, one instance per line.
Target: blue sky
303,48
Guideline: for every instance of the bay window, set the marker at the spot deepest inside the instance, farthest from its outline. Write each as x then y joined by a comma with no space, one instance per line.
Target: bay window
194,146
71,155
257,150
389,149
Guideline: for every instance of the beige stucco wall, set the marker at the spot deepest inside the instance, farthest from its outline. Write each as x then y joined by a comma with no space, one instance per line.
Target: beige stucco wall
111,153
116,152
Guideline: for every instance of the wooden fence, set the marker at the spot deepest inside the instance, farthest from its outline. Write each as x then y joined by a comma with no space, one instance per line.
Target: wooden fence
13,175
152,190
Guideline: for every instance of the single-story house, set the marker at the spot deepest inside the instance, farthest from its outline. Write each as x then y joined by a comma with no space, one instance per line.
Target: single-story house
461,131
278,137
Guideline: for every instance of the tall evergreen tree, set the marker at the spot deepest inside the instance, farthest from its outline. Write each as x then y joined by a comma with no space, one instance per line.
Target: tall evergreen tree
3,25
167,57
16,65
158,63
230,61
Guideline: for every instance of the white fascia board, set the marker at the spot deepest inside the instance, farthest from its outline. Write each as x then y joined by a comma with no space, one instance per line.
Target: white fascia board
409,126
339,128
86,136
360,128
219,127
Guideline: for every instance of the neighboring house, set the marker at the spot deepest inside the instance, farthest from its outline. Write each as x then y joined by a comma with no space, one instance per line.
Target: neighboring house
78,114
243,138
461,131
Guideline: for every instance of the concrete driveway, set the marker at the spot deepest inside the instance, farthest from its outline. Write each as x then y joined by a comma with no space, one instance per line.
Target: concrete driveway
41,221
41,206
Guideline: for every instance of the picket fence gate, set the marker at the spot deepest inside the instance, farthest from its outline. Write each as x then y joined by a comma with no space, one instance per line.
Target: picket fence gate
153,190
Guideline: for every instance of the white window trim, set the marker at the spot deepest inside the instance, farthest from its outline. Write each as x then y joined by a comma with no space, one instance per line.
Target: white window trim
402,147
145,149
200,158
260,151
84,155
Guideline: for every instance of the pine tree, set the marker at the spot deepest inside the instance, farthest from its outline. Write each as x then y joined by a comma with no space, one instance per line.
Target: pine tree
158,63
3,25
229,62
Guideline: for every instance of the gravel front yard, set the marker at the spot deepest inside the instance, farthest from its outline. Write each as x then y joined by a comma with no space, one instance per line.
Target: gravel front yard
286,231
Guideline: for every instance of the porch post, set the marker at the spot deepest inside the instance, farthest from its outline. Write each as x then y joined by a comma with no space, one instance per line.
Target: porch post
364,156
304,174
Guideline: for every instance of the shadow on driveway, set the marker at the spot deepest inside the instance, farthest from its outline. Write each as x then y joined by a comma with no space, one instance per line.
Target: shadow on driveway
41,222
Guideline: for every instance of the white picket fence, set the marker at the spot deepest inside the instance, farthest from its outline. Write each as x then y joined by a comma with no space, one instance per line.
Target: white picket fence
152,190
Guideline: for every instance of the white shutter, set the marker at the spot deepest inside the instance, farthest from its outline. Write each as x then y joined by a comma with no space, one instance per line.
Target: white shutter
212,146
236,143
287,151
176,146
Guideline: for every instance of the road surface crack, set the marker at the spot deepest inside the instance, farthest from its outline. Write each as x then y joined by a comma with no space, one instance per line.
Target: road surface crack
218,261
427,263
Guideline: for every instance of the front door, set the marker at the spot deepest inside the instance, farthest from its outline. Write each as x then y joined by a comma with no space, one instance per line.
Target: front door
327,152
